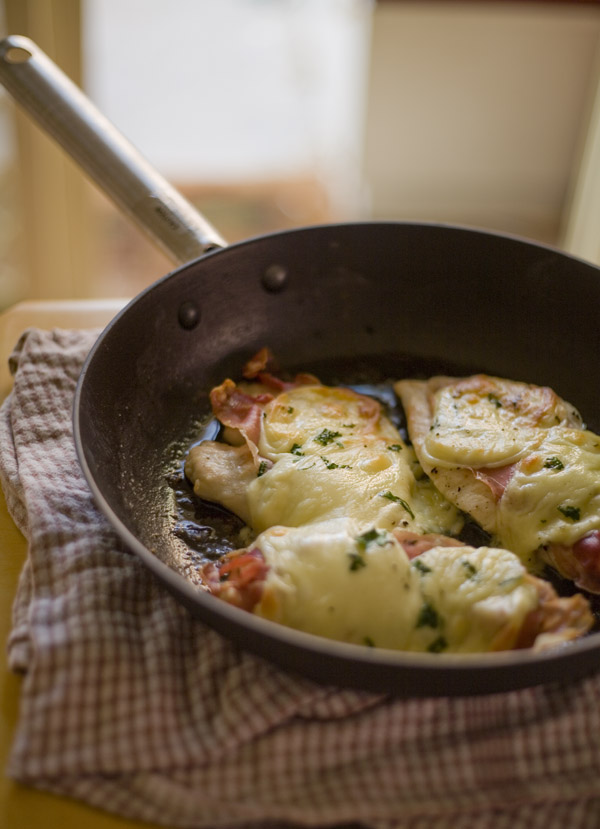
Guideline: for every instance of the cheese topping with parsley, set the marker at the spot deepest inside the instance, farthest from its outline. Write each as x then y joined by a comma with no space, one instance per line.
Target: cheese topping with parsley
554,493
334,453
335,579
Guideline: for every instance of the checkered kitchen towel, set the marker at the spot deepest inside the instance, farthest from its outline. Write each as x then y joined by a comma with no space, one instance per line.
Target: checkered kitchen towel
131,705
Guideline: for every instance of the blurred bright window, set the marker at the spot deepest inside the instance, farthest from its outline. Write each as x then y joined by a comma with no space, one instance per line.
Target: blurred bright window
252,108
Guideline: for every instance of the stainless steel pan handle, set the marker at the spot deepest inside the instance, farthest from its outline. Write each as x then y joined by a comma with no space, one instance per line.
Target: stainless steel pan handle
65,113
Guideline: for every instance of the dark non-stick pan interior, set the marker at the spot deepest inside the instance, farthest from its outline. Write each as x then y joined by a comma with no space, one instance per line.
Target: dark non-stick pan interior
351,303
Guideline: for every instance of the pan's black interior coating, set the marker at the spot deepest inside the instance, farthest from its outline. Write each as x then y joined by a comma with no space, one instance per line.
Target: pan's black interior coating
362,304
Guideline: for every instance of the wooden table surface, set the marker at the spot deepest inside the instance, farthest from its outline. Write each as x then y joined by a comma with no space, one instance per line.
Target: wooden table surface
22,807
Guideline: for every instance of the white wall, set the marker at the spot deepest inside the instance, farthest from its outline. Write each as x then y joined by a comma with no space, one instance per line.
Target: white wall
233,90
477,111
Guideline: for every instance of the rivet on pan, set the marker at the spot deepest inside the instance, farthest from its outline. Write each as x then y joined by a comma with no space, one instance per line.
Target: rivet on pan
274,279
188,315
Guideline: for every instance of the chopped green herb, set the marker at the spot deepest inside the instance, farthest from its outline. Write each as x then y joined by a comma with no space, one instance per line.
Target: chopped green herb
369,642
572,513
356,561
470,568
420,566
296,449
290,409
391,497
428,616
331,465
379,537
326,436
553,463
511,581
493,399
395,447
438,645
348,425
262,468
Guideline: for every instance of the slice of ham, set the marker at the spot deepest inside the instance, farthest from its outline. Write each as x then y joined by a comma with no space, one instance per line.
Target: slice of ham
555,618
496,478
240,409
579,563
239,578
239,412
270,381
263,368
587,554
261,361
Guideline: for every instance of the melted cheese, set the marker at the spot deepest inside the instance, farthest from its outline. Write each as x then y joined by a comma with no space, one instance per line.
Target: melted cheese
490,422
318,417
335,454
478,593
473,430
554,493
328,579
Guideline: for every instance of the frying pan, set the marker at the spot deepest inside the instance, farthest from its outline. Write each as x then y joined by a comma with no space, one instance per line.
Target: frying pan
356,302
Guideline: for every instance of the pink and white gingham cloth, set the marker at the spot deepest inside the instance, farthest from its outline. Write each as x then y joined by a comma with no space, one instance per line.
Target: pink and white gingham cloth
133,706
